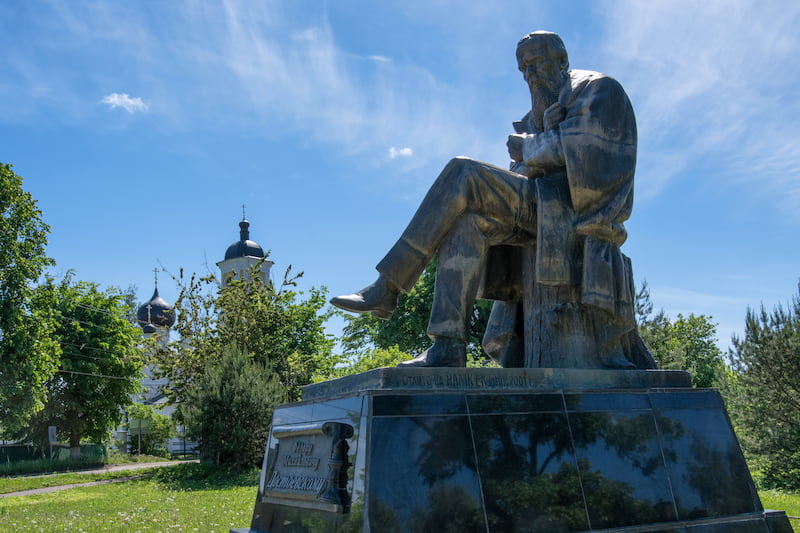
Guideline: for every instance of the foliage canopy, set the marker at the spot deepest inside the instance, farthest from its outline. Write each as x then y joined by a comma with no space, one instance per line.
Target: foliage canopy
687,343
764,393
28,355
100,365
149,431
274,327
406,330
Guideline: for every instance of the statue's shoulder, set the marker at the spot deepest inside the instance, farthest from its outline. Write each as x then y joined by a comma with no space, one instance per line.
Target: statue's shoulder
587,85
580,79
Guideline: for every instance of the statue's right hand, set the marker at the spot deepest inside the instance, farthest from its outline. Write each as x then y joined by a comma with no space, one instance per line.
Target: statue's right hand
515,146
553,116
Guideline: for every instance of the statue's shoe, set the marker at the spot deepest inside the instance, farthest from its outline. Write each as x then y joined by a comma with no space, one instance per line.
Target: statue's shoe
380,299
443,353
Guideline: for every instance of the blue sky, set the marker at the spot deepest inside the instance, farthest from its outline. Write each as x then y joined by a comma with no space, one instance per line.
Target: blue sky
141,128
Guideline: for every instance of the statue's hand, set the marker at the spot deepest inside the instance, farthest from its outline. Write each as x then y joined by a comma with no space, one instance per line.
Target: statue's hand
515,146
553,116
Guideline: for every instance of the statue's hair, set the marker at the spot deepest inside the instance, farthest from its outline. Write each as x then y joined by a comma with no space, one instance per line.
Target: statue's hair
552,42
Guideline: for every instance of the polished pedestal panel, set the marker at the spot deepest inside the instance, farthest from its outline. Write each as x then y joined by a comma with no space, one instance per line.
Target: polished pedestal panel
529,450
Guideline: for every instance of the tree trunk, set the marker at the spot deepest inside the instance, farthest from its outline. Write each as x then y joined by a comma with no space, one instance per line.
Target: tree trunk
74,445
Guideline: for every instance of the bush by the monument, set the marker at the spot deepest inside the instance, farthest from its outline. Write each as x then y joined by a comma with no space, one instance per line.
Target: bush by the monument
763,393
228,409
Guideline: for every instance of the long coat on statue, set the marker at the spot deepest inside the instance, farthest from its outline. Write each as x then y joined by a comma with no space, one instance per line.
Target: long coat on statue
580,211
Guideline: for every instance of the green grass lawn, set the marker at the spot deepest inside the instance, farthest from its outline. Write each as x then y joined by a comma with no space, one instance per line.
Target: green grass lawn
14,484
183,498
782,501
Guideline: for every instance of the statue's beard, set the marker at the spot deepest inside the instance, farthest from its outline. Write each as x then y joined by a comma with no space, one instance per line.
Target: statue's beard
544,93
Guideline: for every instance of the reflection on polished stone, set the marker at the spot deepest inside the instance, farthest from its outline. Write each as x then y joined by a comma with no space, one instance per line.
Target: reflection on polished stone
437,489
591,401
515,403
409,405
528,472
621,468
708,472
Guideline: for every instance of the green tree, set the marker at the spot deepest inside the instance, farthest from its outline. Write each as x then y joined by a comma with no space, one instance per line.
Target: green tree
100,364
407,328
149,431
229,409
369,360
276,328
764,393
688,343
28,354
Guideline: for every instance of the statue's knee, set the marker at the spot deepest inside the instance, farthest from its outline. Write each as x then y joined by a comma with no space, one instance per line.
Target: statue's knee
460,163
459,168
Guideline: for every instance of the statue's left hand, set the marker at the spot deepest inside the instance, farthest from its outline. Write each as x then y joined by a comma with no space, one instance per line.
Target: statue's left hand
515,146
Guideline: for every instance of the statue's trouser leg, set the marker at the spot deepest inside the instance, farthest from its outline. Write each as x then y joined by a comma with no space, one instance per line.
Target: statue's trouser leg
470,206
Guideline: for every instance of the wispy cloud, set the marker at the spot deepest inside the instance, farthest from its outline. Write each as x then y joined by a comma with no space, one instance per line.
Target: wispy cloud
123,100
263,67
726,312
678,297
296,79
711,88
394,153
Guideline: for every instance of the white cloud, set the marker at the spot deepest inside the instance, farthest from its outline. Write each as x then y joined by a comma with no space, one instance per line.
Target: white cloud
400,152
131,105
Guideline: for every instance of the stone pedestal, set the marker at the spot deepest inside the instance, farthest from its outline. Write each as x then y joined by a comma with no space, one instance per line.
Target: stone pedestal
507,450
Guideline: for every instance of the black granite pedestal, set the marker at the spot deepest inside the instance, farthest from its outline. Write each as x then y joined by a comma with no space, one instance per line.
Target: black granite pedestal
507,450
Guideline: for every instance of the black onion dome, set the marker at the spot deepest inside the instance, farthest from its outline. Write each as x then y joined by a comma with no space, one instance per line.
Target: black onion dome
160,313
244,247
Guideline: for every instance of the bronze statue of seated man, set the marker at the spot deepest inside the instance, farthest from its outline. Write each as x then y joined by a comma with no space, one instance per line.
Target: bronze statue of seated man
541,239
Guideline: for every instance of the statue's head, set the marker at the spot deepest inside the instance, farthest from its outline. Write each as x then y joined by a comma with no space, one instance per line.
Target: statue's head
546,45
542,59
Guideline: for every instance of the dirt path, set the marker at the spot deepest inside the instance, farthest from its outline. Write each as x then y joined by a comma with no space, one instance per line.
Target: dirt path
109,468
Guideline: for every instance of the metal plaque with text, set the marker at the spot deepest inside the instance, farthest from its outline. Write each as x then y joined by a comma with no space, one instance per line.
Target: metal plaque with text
309,467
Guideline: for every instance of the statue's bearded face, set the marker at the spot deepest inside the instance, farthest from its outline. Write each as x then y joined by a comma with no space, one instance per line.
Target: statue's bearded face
543,74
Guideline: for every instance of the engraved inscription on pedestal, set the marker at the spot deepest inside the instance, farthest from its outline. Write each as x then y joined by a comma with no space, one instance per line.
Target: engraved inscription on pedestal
310,466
